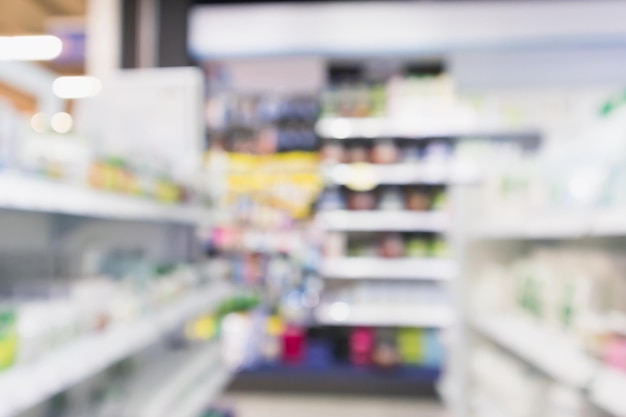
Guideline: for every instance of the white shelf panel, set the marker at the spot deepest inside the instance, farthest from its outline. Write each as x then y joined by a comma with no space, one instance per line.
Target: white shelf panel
341,314
555,355
399,220
389,268
204,393
565,225
608,391
402,173
484,407
41,195
376,127
25,386
558,225
187,390
608,222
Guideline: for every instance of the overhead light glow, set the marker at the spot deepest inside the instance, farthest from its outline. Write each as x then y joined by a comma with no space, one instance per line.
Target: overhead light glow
339,311
76,87
40,122
30,48
61,122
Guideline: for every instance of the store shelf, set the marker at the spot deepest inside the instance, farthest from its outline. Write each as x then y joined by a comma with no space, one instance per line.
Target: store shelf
338,378
204,393
342,314
25,386
563,225
389,268
608,391
557,225
41,195
161,388
484,407
555,355
406,173
390,221
376,127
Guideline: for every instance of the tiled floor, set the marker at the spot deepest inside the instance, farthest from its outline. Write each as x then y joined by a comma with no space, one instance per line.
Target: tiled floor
272,405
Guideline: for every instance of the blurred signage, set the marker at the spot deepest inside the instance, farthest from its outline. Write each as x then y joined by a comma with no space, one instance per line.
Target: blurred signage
72,33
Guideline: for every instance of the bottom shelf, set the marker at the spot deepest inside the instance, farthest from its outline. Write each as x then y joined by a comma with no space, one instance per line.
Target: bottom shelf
181,383
483,407
608,391
339,379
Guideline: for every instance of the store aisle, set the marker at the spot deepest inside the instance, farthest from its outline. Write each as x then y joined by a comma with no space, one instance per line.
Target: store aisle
275,405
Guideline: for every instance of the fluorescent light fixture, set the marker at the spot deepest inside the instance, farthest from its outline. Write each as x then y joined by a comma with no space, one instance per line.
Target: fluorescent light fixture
76,87
30,48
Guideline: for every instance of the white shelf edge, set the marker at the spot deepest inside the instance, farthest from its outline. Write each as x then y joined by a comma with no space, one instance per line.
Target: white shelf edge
205,393
376,127
608,391
487,408
403,173
383,220
388,316
22,193
603,222
25,386
549,353
428,269
206,374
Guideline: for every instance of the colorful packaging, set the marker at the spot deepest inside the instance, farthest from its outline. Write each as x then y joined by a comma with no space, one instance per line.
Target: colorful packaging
412,346
294,344
362,342
8,338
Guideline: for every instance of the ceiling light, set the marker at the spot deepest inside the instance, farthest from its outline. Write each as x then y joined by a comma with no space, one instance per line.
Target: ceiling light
76,87
61,122
30,48
40,122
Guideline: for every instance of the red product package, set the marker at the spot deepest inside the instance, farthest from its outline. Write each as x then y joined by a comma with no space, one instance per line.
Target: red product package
294,344
361,346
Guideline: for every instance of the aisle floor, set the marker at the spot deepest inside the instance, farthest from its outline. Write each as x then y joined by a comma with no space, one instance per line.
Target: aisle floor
274,405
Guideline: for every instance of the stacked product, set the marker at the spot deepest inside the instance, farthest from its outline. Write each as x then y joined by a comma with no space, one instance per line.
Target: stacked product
546,288
266,180
264,124
39,317
424,105
384,213
351,349
69,157
182,373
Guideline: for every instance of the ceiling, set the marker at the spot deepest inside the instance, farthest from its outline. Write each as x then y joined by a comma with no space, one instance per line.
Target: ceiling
21,17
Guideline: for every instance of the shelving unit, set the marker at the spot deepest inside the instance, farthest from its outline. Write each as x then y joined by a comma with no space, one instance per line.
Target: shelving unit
376,127
607,391
593,222
41,195
390,221
555,356
183,383
385,316
563,359
381,268
27,385
401,173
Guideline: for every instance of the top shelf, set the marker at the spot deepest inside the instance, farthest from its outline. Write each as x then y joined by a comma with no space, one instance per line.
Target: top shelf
606,222
40,195
376,127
